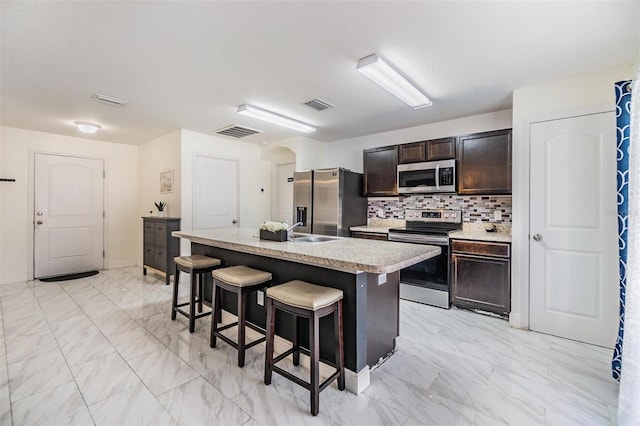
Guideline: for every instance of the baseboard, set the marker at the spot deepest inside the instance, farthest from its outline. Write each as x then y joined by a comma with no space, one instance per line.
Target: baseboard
121,263
515,321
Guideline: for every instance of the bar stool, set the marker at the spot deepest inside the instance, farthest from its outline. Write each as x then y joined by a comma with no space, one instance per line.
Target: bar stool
196,265
302,299
240,280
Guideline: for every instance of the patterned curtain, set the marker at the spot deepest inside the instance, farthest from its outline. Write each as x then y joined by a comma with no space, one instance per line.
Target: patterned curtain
623,119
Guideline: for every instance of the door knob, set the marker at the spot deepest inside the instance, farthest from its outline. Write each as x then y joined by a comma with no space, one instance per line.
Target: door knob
39,213
234,221
537,237
39,222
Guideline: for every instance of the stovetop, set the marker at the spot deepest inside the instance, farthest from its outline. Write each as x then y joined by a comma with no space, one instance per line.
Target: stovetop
430,222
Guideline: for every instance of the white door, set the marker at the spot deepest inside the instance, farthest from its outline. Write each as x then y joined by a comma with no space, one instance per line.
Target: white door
68,215
573,229
215,192
285,193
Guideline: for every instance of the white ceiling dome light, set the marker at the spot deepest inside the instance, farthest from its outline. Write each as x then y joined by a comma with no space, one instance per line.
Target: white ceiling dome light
87,127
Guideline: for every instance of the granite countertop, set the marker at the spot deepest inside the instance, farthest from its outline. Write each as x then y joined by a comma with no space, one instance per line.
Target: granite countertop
379,226
476,231
345,254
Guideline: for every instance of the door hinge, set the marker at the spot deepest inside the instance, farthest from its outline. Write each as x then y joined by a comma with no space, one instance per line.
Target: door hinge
104,174
103,214
103,255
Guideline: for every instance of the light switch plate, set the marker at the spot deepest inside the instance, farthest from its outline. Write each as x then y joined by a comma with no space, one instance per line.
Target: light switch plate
260,297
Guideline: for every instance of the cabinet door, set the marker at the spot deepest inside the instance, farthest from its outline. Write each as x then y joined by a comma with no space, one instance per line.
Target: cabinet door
160,231
484,163
411,153
149,255
380,174
149,232
481,283
441,149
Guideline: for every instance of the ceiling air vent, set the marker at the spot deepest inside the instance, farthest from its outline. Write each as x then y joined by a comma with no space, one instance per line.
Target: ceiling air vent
236,131
319,104
109,100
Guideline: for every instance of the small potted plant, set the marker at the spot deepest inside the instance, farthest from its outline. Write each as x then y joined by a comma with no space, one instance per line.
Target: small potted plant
160,205
274,231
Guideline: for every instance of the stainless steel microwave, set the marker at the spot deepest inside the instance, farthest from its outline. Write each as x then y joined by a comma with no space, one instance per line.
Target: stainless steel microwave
427,177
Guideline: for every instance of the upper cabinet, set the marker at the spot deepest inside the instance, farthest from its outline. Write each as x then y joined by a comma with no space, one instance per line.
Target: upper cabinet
380,175
484,163
436,149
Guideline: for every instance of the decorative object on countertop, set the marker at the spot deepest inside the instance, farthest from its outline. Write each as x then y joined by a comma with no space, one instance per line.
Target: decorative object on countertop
491,227
274,231
160,205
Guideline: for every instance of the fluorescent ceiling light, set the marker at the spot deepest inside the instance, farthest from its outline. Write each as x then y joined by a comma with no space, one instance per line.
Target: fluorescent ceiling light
87,127
384,75
272,117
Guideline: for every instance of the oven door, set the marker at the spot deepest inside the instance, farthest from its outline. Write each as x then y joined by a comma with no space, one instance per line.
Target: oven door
428,281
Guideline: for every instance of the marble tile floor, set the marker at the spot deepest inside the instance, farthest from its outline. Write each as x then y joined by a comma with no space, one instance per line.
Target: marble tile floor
103,350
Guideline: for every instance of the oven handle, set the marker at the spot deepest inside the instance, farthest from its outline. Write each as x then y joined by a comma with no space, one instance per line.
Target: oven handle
419,239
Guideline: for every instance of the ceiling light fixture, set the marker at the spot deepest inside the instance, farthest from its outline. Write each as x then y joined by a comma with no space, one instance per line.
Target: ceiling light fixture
272,117
384,75
87,127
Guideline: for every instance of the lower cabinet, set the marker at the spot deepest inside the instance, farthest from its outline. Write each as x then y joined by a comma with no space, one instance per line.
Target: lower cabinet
481,276
159,246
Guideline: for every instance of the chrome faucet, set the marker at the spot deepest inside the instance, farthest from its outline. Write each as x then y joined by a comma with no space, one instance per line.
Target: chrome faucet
290,229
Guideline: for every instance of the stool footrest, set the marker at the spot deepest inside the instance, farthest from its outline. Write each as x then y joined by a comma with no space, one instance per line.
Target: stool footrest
186,314
235,344
302,382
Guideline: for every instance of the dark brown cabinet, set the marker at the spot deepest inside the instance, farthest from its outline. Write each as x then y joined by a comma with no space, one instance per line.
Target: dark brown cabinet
380,175
369,235
484,163
159,246
481,276
436,149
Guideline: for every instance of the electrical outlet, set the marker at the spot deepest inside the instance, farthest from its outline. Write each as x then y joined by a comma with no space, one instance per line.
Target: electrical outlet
260,300
497,214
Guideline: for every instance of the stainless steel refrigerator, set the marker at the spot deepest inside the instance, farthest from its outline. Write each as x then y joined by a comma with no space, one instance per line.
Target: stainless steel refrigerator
328,201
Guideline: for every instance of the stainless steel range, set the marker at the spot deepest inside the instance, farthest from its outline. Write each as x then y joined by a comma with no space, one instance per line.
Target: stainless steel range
428,281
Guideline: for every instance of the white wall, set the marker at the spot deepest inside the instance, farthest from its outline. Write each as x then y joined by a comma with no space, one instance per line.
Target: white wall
156,156
254,175
309,154
348,152
16,226
582,94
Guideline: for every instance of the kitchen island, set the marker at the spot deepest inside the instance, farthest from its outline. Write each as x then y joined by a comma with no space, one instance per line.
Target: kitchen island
366,271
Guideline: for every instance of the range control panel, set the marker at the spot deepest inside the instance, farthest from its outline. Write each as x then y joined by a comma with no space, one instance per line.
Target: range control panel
440,215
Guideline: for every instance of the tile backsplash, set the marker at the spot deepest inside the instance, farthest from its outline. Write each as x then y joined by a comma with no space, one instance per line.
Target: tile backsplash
475,208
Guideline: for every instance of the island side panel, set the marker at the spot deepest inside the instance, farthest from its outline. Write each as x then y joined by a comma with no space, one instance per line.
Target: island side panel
354,287
383,316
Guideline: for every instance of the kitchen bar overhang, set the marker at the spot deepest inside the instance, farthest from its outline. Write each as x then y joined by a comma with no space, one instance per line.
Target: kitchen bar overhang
366,271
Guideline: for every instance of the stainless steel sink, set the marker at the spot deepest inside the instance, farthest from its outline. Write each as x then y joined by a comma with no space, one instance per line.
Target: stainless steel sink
306,238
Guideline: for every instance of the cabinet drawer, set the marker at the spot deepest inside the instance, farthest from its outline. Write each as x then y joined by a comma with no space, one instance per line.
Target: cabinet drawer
481,248
369,235
160,231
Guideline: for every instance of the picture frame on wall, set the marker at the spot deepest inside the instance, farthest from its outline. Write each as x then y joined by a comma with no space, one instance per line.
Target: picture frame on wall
166,181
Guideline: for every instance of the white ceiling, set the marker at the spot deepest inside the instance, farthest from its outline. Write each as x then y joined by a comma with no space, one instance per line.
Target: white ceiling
190,64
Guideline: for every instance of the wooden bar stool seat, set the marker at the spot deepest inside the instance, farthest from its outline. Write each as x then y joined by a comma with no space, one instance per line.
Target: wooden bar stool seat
302,299
197,265
240,280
